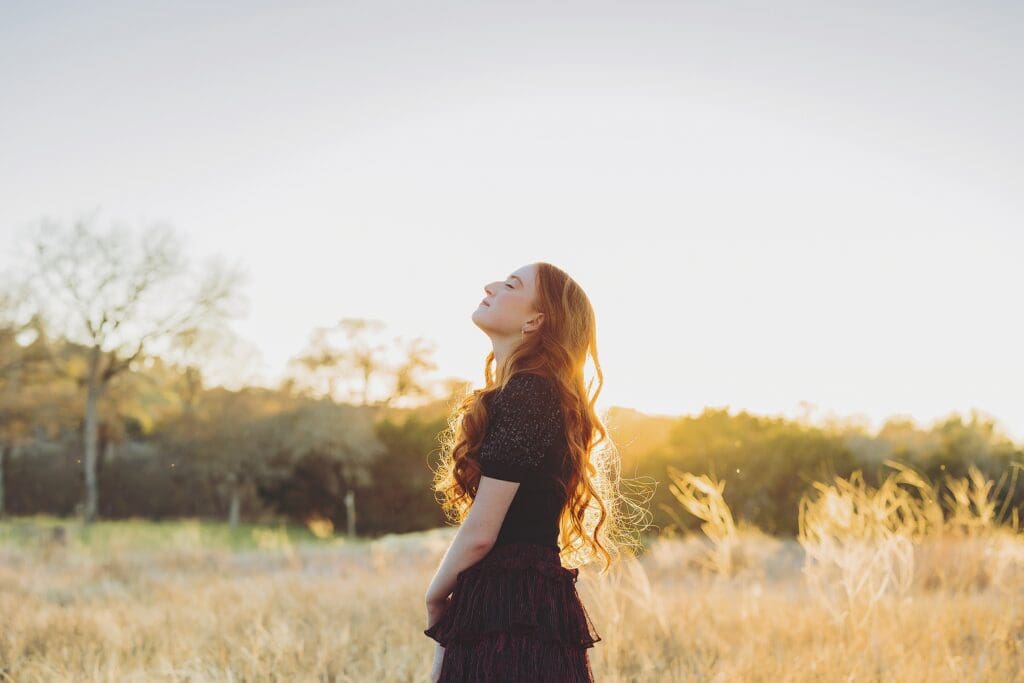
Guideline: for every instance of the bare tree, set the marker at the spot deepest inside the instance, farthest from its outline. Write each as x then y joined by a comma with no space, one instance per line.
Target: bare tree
205,358
362,356
118,294
324,361
316,368
407,373
357,357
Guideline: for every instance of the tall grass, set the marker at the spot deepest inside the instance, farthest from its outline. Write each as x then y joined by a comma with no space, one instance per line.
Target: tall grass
863,543
910,581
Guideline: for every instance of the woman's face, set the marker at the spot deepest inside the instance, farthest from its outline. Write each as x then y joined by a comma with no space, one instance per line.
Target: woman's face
507,306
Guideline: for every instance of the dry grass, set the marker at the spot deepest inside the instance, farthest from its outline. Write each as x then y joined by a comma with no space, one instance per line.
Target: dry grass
879,586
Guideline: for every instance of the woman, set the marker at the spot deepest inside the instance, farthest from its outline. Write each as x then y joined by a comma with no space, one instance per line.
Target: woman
521,477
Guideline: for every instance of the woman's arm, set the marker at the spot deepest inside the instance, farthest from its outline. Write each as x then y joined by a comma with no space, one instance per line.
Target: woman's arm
473,540
526,418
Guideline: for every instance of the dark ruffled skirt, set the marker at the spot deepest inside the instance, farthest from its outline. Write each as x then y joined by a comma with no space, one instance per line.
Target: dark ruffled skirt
515,617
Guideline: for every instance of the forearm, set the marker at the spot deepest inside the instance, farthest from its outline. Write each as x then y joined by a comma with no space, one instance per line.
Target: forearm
463,552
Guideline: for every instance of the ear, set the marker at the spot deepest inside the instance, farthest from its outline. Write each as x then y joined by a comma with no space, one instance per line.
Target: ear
534,325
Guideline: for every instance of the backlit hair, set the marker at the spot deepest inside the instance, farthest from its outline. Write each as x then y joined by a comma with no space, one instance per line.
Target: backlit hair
592,522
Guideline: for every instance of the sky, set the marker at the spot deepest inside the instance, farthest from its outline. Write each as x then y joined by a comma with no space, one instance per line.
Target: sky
802,209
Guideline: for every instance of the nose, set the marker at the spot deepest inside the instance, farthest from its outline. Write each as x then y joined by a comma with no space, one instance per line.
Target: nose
487,289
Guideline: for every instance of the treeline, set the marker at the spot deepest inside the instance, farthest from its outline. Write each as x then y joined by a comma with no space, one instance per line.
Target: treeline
768,463
259,454
253,454
108,344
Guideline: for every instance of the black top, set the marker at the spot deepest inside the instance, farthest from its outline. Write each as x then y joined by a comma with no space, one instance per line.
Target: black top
525,442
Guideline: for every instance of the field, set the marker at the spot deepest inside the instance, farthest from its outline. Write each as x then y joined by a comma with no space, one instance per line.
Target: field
857,597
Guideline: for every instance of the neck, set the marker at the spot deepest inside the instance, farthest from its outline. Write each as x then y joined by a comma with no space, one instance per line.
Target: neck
503,348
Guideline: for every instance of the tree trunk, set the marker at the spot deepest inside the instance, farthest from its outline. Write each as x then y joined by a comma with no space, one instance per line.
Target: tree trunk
350,512
107,453
236,506
91,436
3,455
193,385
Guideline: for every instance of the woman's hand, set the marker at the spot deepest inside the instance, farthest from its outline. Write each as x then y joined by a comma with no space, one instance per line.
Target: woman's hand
435,669
436,609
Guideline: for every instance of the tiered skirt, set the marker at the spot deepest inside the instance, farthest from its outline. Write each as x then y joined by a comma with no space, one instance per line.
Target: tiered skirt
516,617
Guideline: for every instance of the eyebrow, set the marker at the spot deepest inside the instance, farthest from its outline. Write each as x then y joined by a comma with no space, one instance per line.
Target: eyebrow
517,278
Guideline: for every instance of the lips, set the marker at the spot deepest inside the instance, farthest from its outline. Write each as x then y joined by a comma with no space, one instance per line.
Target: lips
484,302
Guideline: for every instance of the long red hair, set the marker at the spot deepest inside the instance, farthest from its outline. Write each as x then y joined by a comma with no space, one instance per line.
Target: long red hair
590,522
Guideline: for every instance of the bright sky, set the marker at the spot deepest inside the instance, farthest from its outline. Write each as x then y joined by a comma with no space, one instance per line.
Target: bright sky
768,203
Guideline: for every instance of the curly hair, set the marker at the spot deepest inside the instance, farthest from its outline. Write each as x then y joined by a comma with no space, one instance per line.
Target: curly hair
591,522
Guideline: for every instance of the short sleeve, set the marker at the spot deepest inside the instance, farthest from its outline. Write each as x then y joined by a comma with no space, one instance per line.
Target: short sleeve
525,418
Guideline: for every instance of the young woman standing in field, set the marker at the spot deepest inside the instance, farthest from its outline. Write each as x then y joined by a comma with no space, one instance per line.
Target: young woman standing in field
521,477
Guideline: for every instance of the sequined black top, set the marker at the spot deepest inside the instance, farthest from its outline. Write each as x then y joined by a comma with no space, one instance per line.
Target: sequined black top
525,442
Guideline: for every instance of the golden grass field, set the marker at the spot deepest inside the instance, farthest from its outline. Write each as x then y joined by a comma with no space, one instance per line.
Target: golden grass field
876,588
